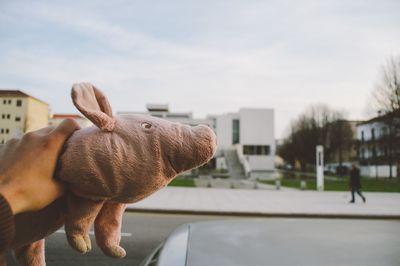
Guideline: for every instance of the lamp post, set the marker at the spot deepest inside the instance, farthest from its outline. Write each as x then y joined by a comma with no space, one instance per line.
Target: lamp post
320,167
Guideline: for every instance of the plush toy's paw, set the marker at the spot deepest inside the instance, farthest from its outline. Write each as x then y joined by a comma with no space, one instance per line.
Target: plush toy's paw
80,243
114,251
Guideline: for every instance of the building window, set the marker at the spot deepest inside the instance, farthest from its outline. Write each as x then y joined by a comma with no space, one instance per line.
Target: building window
3,116
256,150
7,130
17,118
2,131
373,133
19,102
235,131
4,101
9,101
8,116
362,136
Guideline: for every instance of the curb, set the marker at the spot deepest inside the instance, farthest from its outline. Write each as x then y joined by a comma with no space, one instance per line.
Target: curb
271,215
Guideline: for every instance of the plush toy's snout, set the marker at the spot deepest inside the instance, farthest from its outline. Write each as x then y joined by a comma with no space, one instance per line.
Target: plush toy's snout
197,146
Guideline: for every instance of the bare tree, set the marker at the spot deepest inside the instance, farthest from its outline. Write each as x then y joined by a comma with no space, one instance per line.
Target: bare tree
318,125
340,142
387,91
386,96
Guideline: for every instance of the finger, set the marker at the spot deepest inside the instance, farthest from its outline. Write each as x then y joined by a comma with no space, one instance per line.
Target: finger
62,132
44,131
13,141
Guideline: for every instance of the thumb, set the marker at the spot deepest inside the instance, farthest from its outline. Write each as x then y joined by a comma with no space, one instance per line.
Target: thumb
62,132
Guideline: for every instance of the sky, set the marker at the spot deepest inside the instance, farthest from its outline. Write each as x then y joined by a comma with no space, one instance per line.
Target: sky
201,56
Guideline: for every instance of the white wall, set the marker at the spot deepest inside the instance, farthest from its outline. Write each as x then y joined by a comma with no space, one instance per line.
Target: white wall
261,162
224,130
257,127
381,170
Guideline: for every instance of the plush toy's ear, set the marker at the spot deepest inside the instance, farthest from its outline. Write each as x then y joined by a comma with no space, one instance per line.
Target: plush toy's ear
93,104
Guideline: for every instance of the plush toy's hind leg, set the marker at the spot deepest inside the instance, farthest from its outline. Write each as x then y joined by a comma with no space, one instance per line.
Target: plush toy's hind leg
31,255
80,216
108,229
3,261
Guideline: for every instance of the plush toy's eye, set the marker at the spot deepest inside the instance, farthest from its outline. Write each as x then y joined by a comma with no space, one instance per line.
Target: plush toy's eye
146,125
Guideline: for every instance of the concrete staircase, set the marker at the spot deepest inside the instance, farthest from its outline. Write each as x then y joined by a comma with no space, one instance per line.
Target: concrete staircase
235,168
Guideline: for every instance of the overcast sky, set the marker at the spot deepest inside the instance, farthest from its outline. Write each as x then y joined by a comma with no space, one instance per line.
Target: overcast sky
205,56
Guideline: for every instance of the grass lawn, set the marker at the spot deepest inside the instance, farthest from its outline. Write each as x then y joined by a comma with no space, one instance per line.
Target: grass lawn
368,184
182,183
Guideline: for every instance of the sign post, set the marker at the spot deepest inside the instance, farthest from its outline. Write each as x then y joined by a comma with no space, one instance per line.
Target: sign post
320,167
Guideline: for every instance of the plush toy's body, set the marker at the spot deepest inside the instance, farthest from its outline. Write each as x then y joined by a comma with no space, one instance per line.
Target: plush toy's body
122,160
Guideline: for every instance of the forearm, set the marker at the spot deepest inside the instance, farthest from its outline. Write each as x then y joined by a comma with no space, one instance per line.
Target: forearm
6,224
6,219
11,191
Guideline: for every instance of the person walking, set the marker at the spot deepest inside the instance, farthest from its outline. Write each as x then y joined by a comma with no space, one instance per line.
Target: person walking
355,183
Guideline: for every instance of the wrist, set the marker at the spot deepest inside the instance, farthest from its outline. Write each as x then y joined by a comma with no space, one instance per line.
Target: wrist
15,198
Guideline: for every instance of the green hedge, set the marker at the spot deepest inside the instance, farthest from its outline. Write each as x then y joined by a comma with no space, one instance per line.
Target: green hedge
182,183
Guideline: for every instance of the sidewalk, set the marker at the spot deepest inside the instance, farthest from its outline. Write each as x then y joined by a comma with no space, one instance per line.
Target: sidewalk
234,183
287,203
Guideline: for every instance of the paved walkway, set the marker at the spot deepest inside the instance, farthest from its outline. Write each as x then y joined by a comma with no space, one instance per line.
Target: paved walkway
234,183
270,203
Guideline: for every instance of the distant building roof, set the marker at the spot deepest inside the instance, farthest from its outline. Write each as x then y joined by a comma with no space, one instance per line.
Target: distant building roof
64,116
157,107
380,118
18,93
179,115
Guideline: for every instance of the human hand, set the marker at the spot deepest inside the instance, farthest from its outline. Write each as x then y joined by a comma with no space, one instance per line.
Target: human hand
27,167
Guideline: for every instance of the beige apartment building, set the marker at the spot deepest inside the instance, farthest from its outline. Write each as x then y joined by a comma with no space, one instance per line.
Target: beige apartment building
20,113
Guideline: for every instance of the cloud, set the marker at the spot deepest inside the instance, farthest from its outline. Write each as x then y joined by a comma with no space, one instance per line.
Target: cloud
205,57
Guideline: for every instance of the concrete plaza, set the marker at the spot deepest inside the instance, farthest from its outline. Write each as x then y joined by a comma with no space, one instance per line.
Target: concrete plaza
268,202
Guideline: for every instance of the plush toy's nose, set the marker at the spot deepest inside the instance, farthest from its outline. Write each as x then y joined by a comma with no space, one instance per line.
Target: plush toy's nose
206,133
194,147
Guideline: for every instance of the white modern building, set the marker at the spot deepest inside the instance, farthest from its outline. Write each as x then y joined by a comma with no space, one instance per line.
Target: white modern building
247,138
378,148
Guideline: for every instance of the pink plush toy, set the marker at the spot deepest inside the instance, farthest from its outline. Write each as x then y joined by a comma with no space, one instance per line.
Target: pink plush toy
122,159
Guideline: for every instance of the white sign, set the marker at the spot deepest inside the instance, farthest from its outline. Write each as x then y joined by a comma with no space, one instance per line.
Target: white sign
320,168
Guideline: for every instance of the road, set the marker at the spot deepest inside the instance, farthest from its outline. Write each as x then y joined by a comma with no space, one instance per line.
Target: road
142,232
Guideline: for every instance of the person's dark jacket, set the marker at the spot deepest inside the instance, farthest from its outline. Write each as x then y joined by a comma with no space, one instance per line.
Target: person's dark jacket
6,224
355,181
